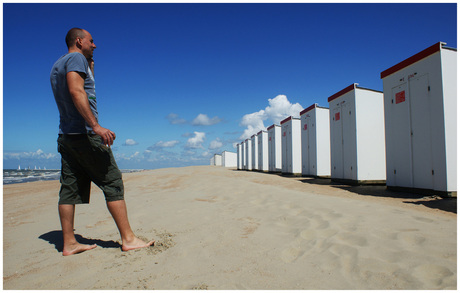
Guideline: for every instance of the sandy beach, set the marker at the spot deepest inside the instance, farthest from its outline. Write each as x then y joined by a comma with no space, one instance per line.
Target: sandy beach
219,228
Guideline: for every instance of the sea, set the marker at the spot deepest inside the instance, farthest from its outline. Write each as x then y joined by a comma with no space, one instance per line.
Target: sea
12,176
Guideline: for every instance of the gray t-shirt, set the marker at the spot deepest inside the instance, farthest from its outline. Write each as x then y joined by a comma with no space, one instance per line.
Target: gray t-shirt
71,122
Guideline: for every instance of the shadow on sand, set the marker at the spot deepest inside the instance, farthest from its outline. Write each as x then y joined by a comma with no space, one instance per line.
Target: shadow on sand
433,201
55,238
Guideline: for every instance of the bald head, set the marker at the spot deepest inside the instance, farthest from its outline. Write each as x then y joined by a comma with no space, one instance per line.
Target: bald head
72,36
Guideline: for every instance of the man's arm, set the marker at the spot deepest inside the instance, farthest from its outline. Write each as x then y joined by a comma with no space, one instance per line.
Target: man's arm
76,83
91,65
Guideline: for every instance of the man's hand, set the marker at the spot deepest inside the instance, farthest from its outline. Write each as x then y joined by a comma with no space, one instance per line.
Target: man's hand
91,64
107,135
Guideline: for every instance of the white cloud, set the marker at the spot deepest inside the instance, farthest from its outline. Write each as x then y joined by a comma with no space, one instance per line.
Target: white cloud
39,154
130,142
253,122
163,144
166,144
280,108
203,119
136,157
215,144
175,119
196,141
200,120
277,109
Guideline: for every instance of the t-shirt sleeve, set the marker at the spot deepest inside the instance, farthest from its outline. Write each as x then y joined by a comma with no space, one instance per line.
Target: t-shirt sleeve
78,63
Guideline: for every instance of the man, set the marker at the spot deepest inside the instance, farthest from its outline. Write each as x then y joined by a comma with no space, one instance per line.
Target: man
85,145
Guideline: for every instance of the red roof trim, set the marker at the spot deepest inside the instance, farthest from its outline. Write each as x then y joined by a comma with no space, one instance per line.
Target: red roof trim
270,127
342,92
417,57
308,109
286,120
259,132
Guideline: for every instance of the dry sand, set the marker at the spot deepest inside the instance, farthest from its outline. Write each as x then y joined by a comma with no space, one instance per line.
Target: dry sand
218,228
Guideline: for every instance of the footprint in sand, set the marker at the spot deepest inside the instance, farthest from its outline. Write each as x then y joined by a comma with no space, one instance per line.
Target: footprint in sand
333,215
289,221
308,234
319,223
348,257
281,221
250,227
432,273
349,225
412,238
342,250
391,255
315,234
317,239
326,233
385,235
290,254
354,240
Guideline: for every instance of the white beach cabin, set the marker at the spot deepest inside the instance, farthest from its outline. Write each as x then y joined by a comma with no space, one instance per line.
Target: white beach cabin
248,148
421,122
291,146
262,140
229,159
239,157
316,141
217,160
255,152
274,148
244,156
357,136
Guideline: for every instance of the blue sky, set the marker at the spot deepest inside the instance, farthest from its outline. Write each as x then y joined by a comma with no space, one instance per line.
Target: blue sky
180,82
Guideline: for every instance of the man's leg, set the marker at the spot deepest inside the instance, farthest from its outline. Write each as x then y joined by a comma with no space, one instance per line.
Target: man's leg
120,215
71,246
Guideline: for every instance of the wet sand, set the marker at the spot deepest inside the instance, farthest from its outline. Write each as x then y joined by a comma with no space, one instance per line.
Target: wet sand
219,228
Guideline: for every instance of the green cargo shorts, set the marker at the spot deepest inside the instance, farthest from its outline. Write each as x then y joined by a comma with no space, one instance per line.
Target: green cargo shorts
84,160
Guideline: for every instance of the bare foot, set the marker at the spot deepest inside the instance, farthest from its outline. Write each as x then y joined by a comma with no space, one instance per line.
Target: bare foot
77,248
135,244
